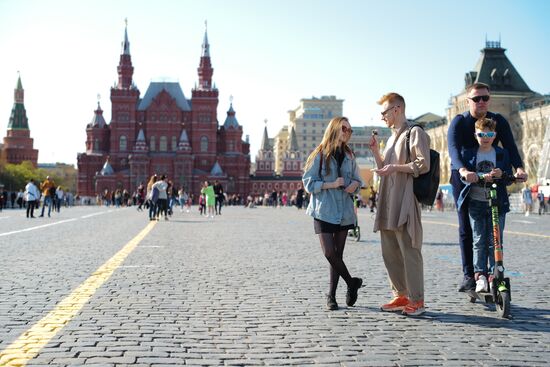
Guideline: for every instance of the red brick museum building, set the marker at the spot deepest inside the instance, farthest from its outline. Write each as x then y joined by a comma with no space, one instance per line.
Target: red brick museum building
163,132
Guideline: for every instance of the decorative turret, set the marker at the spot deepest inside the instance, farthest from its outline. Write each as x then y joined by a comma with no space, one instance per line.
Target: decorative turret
265,159
18,144
18,118
97,132
107,169
216,170
141,143
495,69
183,145
205,69
292,161
125,68
98,121
231,120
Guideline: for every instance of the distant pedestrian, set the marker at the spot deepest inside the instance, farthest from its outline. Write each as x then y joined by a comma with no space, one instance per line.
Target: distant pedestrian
439,200
218,191
372,199
542,204
210,197
162,202
299,197
31,196
48,191
332,177
60,196
527,199
20,197
152,197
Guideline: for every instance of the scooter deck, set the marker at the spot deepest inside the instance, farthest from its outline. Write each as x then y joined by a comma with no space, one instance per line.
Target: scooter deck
485,297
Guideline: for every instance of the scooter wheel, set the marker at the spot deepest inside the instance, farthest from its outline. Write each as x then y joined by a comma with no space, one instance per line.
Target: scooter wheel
472,300
357,234
503,304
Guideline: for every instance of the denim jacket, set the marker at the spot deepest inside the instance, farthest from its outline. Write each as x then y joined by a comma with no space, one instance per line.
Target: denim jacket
332,205
503,162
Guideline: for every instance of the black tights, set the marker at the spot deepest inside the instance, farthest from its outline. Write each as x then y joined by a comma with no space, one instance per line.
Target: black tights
333,245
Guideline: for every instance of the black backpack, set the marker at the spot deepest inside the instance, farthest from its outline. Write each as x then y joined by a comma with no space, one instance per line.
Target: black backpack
425,186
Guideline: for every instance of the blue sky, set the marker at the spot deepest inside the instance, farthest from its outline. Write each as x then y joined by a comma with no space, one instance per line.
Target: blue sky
267,54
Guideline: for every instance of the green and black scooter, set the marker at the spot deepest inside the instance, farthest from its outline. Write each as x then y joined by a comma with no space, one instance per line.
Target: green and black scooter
500,292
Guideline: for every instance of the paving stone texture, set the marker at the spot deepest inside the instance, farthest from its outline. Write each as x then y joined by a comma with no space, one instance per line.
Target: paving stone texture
247,288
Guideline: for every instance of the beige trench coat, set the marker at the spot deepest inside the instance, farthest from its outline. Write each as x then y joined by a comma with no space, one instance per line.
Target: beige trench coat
397,205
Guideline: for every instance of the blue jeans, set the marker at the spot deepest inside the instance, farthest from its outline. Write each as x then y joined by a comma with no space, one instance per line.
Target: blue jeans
464,228
482,233
47,202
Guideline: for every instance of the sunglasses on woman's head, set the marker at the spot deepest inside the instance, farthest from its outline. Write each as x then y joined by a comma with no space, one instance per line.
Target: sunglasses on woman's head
489,134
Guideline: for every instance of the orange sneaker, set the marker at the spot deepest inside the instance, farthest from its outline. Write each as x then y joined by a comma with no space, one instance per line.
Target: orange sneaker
396,304
414,308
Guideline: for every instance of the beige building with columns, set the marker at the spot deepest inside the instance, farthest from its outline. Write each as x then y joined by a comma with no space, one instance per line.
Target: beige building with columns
527,111
309,120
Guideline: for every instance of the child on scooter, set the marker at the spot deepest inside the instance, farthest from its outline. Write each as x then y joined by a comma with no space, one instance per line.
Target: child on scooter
484,164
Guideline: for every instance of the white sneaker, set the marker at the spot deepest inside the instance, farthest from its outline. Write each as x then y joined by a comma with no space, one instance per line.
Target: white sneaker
482,285
526,214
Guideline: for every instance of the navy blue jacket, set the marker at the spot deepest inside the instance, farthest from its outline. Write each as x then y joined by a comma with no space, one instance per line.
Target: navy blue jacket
460,137
503,162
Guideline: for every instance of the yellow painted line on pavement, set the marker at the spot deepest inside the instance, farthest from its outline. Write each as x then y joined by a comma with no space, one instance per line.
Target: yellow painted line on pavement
29,344
505,231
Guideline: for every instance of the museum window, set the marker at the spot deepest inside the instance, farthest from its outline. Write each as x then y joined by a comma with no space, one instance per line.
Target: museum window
204,144
96,144
123,143
163,144
152,144
174,143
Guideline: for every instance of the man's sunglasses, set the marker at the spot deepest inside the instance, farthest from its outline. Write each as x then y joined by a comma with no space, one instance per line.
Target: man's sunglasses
345,130
489,134
476,99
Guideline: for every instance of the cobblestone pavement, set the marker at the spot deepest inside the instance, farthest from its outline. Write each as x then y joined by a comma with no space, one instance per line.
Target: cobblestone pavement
247,288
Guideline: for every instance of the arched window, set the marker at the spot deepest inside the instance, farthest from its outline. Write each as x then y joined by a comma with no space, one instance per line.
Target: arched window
152,144
163,144
96,144
174,143
204,144
123,143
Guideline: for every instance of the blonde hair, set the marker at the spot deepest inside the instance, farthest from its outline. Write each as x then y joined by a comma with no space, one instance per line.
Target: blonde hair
330,143
393,99
152,180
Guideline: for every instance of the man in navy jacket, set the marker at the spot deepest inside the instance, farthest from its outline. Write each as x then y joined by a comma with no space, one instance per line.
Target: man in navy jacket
461,137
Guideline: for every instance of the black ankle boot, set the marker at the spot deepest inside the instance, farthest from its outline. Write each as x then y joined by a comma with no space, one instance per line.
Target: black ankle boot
351,295
331,303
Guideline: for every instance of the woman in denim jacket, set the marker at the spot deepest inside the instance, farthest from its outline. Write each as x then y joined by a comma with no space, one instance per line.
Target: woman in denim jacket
332,178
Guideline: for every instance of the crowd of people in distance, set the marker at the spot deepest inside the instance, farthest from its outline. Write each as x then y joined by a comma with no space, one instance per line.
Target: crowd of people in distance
45,193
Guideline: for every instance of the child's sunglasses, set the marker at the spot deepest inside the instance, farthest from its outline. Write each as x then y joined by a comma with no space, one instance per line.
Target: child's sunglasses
489,134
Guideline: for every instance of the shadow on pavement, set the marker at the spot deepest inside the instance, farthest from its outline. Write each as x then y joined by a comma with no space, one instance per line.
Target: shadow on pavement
523,319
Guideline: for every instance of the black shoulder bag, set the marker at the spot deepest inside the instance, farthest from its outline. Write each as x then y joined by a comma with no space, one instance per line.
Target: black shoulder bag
425,186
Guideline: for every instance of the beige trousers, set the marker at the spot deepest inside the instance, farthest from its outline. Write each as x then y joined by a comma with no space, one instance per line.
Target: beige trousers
404,264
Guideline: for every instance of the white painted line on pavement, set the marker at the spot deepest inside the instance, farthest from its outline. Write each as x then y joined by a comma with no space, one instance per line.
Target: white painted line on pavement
94,214
505,231
37,227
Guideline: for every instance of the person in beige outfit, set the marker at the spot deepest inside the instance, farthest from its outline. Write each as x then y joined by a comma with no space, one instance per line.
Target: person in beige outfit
399,216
